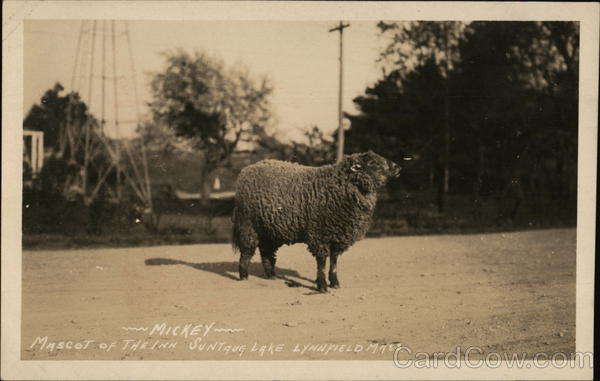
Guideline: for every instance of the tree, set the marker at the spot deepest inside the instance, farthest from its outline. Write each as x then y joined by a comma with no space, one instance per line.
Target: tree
52,113
554,61
402,119
317,149
509,92
157,137
78,164
78,169
214,108
48,115
62,173
520,107
415,43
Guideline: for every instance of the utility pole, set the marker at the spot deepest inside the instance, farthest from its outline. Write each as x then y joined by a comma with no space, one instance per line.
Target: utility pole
340,146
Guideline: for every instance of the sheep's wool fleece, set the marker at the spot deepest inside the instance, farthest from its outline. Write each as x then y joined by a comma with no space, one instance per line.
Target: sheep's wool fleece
288,203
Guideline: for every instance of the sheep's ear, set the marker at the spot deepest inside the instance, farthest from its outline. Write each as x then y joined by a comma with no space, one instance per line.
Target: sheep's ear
368,156
348,161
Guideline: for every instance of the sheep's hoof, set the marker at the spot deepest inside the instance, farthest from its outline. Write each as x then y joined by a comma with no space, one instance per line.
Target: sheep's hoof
244,277
321,285
335,284
270,274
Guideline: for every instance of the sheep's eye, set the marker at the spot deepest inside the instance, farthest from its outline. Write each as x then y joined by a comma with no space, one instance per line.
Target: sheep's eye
355,167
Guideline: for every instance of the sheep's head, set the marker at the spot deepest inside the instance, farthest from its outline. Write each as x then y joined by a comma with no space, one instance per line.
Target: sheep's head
369,171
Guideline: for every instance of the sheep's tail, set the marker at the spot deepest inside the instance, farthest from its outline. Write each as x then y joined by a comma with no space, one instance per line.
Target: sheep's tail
235,232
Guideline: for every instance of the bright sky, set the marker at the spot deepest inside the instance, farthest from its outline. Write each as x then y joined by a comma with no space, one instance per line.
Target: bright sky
301,59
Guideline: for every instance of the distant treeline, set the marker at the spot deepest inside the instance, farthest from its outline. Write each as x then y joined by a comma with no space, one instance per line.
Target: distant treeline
486,110
482,117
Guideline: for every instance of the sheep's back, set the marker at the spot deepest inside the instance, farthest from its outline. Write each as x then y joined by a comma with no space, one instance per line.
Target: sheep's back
280,198
287,202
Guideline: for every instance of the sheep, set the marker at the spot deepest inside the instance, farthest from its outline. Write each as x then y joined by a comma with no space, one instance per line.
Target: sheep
328,208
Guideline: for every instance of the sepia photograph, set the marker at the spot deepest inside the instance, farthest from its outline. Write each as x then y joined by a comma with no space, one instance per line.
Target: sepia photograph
364,186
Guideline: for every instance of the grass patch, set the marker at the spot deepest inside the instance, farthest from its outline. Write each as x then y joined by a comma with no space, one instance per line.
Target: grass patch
187,224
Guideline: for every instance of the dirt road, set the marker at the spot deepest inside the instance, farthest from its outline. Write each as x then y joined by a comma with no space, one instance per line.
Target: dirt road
511,292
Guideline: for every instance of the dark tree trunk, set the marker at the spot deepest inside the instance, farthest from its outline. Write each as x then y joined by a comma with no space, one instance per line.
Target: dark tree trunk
206,184
440,185
446,156
478,180
446,132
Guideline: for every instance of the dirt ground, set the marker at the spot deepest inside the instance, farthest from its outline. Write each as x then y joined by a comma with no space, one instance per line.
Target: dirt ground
502,292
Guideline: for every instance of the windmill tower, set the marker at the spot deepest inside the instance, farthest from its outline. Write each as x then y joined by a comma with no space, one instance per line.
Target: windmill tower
99,137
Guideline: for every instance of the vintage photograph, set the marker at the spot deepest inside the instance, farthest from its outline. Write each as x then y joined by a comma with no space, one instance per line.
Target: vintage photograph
342,189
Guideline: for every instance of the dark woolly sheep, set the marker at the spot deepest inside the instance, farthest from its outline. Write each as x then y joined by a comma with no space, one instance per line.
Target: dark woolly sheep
329,208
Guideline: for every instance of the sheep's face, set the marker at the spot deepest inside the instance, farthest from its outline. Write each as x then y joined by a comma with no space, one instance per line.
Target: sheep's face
369,171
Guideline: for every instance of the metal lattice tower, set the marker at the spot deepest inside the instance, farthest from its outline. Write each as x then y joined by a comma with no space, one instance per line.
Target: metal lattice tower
103,145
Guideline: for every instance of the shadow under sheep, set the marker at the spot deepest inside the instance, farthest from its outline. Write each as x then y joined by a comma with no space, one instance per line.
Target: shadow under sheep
226,268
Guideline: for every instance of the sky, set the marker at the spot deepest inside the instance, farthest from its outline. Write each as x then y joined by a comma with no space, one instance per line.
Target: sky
299,57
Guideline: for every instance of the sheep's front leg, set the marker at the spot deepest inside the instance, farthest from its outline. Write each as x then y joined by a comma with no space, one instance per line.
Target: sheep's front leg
333,280
321,282
268,262
320,252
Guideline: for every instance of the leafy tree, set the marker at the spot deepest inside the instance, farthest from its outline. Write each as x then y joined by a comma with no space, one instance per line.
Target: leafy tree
509,92
213,107
48,116
519,113
317,148
61,174
158,137
414,44
407,116
72,176
52,113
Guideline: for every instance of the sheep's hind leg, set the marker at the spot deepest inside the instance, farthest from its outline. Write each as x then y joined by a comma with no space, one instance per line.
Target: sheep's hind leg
268,257
247,244
244,263
333,280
